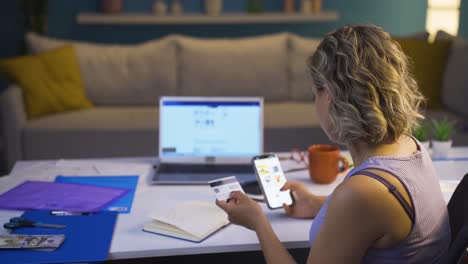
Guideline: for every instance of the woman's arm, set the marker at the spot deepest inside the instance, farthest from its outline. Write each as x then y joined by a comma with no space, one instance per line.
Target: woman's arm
357,216
246,212
273,249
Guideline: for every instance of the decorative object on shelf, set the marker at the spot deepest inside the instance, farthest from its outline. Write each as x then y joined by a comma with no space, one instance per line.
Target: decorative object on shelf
255,6
177,7
111,6
306,6
159,7
34,15
288,6
316,6
421,133
443,131
213,7
85,18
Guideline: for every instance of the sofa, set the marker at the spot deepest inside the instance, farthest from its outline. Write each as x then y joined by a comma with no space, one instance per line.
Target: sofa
124,82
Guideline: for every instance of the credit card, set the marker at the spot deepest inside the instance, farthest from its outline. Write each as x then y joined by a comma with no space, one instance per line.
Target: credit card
224,186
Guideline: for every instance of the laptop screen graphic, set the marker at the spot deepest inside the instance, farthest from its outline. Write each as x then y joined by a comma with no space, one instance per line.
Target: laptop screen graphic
211,128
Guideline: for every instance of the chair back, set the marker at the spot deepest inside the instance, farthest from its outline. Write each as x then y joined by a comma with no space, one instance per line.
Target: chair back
458,217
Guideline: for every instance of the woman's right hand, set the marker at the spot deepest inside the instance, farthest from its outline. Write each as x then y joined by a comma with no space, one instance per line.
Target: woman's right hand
306,204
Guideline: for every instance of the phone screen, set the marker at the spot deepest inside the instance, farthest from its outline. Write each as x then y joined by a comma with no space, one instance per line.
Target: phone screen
272,178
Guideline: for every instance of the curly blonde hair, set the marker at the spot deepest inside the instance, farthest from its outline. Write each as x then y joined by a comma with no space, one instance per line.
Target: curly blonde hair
375,96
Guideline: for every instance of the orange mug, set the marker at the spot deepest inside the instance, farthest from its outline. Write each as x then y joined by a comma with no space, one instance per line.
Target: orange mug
324,163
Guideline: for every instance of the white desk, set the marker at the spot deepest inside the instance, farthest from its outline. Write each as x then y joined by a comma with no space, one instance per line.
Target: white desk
130,241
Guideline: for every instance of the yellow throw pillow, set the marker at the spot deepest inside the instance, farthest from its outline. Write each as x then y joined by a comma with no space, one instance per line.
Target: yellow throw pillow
429,61
51,81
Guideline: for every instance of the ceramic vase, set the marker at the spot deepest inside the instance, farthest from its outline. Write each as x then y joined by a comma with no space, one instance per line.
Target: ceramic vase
441,149
426,144
213,7
111,6
306,6
176,7
316,6
288,6
159,7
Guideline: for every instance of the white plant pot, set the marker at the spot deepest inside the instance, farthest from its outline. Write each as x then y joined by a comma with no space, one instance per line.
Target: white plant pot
426,144
213,7
441,149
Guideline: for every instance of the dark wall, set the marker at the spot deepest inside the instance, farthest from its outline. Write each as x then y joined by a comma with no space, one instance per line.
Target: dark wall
11,30
397,16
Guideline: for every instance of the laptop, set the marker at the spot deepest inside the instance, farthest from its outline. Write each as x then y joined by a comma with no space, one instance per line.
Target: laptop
206,138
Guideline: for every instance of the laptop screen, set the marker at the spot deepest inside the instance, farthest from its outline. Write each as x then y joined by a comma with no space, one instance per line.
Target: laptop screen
211,127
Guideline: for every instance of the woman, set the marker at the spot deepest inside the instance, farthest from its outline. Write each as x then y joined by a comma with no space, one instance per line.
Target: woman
389,208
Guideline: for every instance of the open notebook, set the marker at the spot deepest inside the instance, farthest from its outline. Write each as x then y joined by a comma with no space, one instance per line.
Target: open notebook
192,221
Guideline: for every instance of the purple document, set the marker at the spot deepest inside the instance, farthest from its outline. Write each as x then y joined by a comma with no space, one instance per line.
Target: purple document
37,195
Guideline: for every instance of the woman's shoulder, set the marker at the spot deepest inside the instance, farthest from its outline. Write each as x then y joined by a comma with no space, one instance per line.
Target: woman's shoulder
362,188
368,197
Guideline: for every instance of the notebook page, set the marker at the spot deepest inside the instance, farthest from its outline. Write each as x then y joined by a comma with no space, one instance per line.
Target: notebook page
195,217
167,229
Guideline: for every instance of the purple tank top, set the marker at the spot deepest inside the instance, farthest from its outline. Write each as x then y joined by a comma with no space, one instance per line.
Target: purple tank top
429,237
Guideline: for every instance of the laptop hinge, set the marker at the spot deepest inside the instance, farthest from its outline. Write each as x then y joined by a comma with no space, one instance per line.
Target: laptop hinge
210,159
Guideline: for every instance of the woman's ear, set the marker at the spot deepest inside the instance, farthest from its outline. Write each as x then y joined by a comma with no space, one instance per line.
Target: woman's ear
328,92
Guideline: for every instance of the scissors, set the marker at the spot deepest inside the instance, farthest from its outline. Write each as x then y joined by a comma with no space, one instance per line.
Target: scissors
19,222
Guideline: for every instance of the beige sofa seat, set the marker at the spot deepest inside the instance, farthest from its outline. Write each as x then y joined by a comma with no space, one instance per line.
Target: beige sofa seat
97,132
133,131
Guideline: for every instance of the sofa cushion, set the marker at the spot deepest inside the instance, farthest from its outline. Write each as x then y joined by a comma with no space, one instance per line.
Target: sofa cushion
133,131
51,81
97,132
121,74
429,61
455,82
254,66
300,80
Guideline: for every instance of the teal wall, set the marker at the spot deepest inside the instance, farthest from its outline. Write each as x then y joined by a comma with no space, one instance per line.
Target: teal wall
399,17
463,26
11,32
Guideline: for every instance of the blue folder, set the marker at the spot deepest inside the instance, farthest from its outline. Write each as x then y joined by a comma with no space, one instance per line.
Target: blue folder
121,205
87,238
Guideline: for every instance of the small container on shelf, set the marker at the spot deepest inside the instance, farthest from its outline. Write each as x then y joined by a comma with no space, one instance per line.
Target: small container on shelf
177,7
316,6
306,6
159,7
288,6
111,6
213,7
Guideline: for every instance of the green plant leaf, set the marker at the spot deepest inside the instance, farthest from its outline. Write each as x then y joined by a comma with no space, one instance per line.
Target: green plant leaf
443,129
421,132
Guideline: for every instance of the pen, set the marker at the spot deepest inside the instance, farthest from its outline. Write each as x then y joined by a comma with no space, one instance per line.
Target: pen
66,213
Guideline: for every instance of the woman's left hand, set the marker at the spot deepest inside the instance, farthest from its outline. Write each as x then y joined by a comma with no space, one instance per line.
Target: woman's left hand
242,210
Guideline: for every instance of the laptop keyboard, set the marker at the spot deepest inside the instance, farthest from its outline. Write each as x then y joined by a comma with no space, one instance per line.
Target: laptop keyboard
206,169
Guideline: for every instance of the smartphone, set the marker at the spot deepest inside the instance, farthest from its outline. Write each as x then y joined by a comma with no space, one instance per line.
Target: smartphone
271,179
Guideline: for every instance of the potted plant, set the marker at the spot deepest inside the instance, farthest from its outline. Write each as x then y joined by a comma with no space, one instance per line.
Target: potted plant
421,133
442,134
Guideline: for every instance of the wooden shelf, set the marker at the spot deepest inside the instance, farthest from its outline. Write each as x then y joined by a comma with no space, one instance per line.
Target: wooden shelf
228,18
